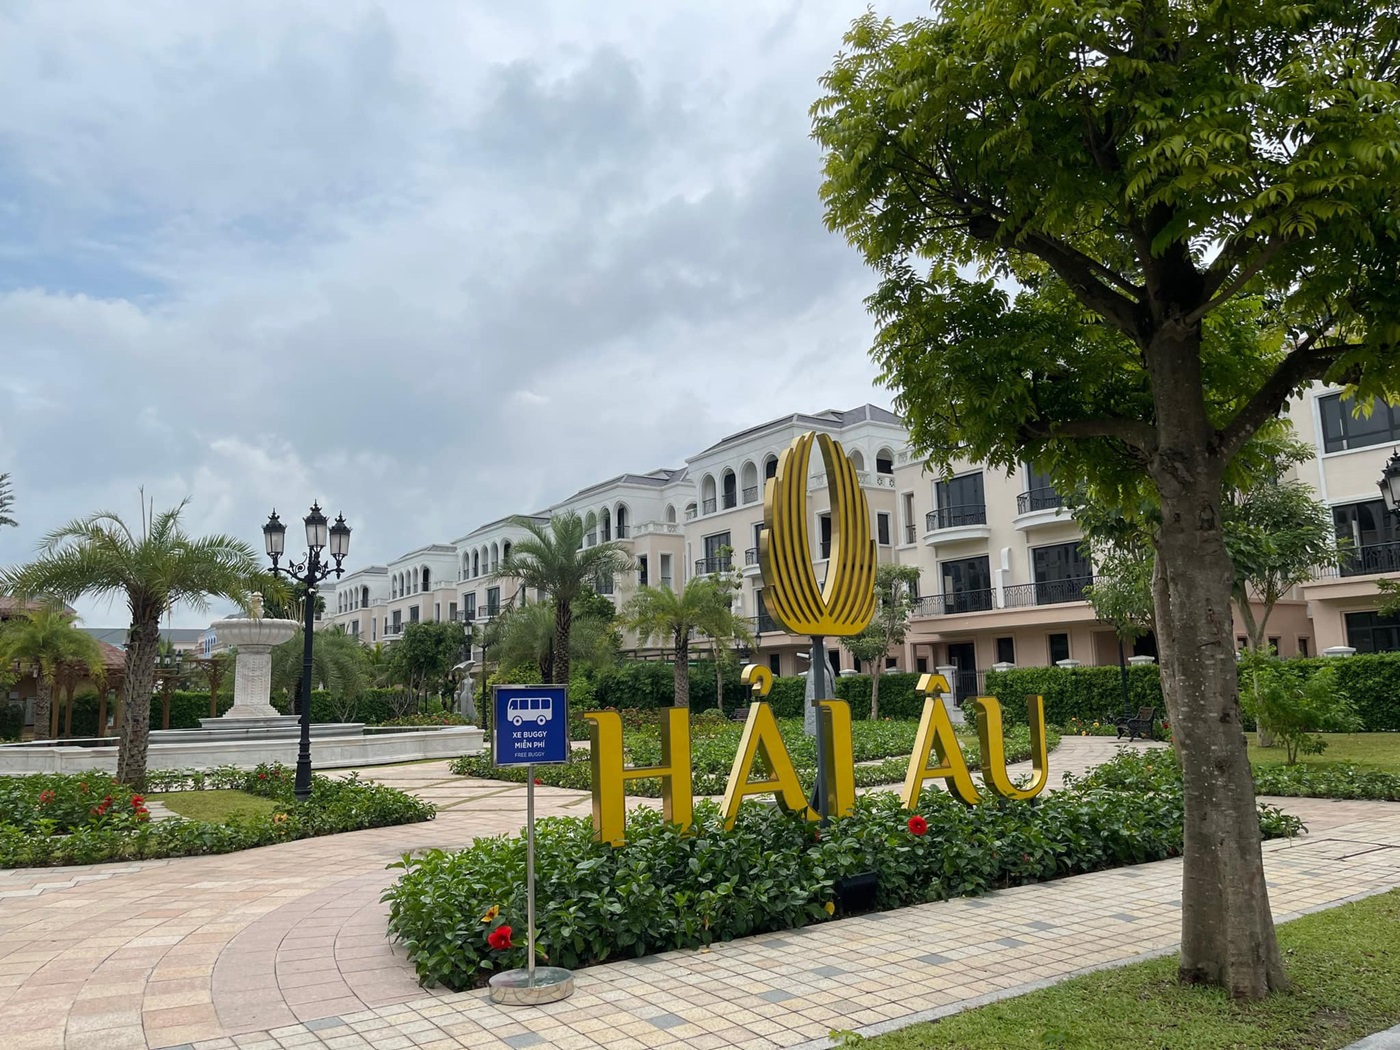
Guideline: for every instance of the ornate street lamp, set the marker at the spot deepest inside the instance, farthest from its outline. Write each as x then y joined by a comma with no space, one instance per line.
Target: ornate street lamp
308,572
1390,483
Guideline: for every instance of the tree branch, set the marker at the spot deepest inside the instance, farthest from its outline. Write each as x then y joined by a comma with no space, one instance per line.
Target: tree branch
1221,287
1307,362
1132,432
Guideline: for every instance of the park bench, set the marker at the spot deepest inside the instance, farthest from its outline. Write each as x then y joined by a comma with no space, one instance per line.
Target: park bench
1143,725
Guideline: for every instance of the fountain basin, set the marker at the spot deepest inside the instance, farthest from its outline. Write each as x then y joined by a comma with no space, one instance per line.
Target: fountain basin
339,748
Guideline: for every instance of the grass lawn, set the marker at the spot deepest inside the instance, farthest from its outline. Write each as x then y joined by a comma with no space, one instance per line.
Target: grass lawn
215,806
1373,750
1344,963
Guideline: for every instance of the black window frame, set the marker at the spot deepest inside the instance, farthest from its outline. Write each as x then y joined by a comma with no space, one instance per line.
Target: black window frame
882,528
1343,430
1362,627
1051,645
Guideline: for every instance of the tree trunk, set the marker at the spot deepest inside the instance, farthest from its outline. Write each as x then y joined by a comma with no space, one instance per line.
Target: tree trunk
682,667
43,707
138,683
875,670
1227,931
68,709
563,627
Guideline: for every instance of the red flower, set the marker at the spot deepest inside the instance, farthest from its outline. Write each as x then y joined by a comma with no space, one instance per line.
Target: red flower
917,825
499,938
45,797
137,801
262,776
95,811
83,788
538,780
141,814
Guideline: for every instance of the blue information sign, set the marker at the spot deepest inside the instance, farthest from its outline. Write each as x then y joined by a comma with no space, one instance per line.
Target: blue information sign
531,726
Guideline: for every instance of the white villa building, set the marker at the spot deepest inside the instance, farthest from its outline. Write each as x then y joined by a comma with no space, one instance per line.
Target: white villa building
1001,571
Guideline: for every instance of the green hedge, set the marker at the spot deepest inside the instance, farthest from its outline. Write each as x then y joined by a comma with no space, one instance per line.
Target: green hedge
645,685
1088,693
11,720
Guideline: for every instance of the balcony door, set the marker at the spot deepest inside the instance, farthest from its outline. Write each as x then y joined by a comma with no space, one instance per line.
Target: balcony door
961,501
1366,532
967,585
1061,573
963,656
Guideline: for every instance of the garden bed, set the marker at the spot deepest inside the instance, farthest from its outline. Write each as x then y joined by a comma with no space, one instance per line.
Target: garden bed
880,748
667,889
87,818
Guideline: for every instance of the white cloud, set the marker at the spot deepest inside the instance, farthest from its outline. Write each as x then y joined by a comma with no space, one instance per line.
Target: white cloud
274,252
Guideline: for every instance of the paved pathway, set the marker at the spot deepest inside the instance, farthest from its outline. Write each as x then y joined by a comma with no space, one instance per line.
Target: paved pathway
284,946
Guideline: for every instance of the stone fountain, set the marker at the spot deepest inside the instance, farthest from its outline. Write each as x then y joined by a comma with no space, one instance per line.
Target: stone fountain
253,637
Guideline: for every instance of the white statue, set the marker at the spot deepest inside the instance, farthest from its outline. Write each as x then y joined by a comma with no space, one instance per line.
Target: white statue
466,689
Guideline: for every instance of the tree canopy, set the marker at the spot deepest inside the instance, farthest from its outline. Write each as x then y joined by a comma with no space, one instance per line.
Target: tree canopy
1113,238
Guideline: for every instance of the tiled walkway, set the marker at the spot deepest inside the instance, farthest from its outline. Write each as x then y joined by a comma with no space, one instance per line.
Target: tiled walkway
284,947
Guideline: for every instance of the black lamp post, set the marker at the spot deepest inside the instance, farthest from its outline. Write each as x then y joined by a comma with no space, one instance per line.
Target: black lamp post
308,572
1390,483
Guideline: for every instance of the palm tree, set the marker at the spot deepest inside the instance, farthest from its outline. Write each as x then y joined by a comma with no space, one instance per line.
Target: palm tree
721,625
153,569
661,613
553,560
525,635
338,663
46,640
7,501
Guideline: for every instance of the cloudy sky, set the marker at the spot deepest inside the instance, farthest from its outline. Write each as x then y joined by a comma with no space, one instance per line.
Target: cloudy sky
429,262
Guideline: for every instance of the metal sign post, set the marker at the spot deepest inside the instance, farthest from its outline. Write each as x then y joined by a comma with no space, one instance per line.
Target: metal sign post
530,726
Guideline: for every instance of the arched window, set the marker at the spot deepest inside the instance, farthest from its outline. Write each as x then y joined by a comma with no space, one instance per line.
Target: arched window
770,467
884,461
426,576
708,504
749,476
620,521
857,459
476,564
495,557
605,524
671,513
364,597
729,488
690,510
590,529
505,550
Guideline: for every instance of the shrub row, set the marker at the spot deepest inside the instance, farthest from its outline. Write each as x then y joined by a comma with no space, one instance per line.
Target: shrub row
88,818
1371,680
460,916
1340,780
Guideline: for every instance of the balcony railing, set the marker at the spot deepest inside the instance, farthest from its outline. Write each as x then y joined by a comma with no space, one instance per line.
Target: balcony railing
648,527
1365,560
981,600
911,533
765,624
731,500
690,513
1048,592
751,494
751,556
1045,498
707,506
952,517
707,566
622,532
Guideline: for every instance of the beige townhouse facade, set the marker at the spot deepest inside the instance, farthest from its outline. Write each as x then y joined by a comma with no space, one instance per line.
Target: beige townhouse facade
1002,572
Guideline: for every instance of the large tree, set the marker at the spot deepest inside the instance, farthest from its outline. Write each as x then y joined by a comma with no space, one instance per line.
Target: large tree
46,640
424,657
1114,237
152,568
553,560
894,590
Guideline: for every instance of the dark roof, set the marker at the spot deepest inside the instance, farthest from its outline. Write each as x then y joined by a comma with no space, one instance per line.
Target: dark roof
826,419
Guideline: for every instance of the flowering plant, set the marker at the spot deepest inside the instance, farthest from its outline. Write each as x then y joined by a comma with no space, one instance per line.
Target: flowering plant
918,825
499,938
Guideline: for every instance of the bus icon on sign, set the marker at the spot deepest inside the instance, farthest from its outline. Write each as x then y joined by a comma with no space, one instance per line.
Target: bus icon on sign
537,709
